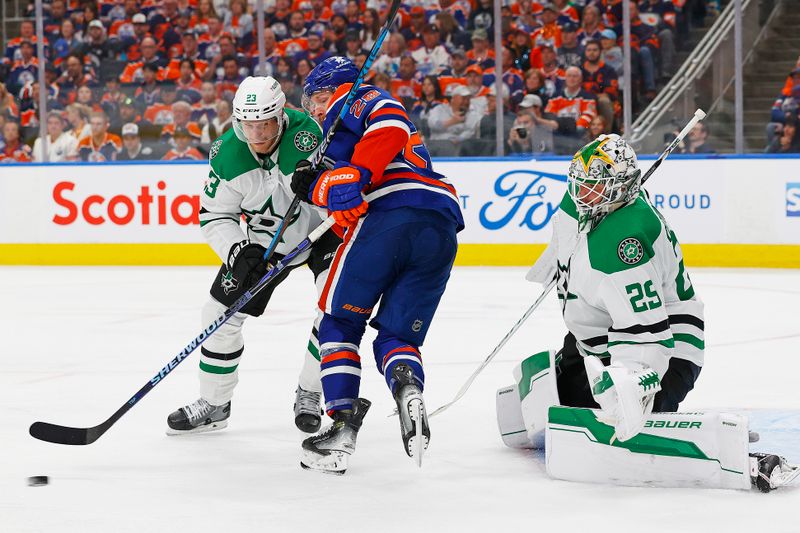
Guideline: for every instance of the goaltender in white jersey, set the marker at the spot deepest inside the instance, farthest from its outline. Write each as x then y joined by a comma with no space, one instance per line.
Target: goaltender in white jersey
251,166
634,349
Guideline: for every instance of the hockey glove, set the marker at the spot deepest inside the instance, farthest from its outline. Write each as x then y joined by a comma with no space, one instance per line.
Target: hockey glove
246,263
303,180
340,191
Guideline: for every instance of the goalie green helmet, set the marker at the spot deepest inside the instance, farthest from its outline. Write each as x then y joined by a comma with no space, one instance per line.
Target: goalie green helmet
603,176
258,99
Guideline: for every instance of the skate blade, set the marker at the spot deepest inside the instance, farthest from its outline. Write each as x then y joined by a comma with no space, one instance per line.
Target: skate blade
214,426
334,463
419,442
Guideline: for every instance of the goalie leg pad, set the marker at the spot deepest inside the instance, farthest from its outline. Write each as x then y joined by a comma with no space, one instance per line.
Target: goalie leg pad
536,392
674,450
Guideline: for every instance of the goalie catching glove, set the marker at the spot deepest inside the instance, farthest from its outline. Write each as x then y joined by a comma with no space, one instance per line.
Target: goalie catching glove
625,395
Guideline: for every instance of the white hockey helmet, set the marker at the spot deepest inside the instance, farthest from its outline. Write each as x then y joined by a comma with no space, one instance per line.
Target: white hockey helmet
258,98
604,175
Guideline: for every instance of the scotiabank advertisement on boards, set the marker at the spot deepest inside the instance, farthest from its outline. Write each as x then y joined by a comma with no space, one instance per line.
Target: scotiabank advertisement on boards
705,201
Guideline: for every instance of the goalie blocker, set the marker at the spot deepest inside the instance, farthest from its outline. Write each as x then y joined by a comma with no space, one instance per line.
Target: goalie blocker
709,450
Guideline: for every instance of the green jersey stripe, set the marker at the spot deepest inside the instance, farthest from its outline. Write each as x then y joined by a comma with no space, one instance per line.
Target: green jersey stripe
216,369
669,343
690,339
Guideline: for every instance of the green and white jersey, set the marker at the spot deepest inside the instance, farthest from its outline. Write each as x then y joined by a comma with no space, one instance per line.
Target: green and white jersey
623,287
241,184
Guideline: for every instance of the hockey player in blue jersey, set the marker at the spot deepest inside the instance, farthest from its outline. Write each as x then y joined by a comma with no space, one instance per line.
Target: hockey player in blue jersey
401,220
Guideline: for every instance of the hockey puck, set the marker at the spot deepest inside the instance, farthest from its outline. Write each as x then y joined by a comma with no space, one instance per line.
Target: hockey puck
38,481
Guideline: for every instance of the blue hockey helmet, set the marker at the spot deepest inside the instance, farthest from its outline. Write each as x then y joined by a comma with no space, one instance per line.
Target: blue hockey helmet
329,75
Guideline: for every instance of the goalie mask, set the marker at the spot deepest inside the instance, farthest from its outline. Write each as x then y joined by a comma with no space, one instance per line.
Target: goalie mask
603,176
258,116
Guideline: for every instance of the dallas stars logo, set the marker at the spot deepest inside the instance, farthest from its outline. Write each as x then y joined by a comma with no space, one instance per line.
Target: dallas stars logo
305,141
228,282
630,251
593,151
266,219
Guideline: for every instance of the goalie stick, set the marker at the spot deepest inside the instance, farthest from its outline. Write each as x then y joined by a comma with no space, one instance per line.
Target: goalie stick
82,436
348,103
698,116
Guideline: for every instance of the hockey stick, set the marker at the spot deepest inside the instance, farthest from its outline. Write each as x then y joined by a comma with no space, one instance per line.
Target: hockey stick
698,116
348,103
81,436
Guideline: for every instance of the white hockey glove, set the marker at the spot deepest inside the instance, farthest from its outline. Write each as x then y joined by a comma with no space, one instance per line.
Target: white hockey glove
625,395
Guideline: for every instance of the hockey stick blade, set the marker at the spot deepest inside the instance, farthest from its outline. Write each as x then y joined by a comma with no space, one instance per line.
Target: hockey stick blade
67,435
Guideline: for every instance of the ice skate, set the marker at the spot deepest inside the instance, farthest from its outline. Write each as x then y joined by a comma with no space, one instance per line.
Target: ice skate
307,412
198,417
411,409
769,471
329,451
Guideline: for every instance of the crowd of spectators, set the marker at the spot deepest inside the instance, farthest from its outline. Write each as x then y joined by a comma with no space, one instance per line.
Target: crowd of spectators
782,137
153,79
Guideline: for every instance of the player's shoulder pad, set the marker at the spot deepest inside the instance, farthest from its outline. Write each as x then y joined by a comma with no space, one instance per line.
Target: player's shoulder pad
301,138
624,239
230,157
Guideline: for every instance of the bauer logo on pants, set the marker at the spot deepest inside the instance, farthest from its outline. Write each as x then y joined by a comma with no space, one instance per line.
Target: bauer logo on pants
793,199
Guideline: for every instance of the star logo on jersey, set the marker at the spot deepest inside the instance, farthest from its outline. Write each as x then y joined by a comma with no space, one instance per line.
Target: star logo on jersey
630,251
214,150
305,141
228,282
266,220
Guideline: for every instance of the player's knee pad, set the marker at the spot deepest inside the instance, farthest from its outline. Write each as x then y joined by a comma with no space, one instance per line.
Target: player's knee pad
228,338
389,350
341,330
672,450
522,408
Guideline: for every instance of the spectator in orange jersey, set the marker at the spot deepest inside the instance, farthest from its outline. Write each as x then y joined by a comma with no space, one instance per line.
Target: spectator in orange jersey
566,12
183,151
455,74
100,145
574,110
181,119
190,51
406,86
132,74
318,12
160,113
26,33
14,151
550,32
600,80
475,84
481,54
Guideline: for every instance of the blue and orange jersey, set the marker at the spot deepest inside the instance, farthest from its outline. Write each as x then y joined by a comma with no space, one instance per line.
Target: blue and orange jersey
377,134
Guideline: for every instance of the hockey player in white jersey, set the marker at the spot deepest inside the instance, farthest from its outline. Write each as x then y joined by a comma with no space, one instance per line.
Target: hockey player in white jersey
634,349
251,166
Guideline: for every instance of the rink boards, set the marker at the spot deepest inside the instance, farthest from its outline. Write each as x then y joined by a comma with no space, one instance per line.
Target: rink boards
727,211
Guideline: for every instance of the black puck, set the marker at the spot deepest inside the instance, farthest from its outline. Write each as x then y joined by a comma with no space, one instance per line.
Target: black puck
38,481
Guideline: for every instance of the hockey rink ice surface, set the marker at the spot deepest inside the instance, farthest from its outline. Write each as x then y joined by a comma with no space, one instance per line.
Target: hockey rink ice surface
78,342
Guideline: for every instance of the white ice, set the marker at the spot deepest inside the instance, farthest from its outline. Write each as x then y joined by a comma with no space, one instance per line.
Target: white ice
78,342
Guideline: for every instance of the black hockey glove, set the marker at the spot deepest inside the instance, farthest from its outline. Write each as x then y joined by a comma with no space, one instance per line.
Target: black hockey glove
246,263
303,180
